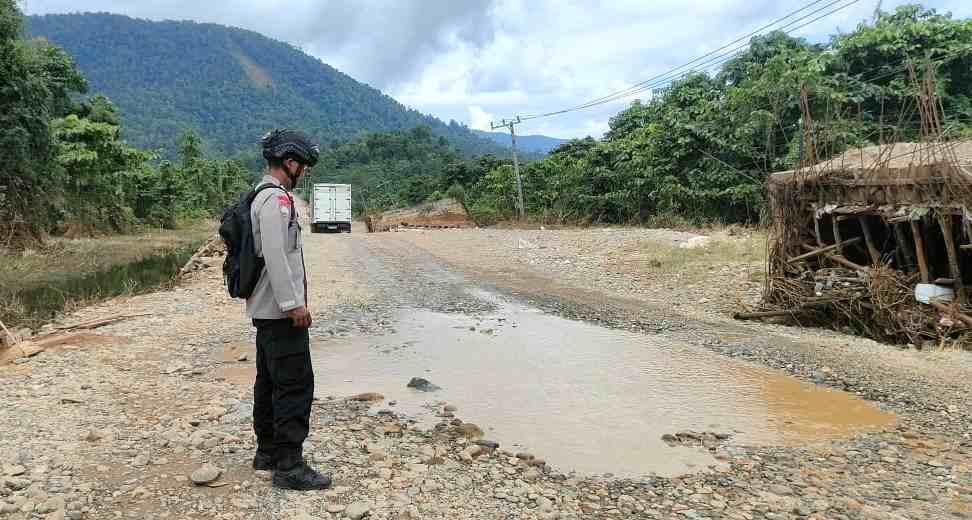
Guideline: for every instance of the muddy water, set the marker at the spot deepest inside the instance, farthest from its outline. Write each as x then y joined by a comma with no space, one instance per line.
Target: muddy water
583,397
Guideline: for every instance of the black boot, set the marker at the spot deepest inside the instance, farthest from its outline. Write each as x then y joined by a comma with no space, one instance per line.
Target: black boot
300,477
263,461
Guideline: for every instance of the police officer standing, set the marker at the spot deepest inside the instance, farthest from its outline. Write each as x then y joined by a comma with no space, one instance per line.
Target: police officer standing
284,387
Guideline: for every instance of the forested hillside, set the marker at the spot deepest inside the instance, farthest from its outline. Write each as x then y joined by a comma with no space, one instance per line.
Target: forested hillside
227,84
66,168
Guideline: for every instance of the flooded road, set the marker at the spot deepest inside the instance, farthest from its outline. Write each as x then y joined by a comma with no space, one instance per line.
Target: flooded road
585,398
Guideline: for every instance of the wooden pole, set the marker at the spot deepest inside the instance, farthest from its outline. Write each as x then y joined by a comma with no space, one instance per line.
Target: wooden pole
823,250
847,263
920,251
816,230
945,221
837,240
869,238
903,248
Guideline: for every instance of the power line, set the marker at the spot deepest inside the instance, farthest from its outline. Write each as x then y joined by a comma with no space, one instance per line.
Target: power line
712,61
737,40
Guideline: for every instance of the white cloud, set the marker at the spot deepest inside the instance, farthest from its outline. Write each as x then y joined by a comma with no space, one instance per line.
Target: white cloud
479,119
468,59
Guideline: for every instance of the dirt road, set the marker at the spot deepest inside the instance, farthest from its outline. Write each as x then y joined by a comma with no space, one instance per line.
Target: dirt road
581,348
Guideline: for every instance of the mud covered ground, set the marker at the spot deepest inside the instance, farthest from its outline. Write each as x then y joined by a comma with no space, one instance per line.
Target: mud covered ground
113,426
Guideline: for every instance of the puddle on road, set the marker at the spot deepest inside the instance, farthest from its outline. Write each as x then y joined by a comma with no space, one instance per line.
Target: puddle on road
583,397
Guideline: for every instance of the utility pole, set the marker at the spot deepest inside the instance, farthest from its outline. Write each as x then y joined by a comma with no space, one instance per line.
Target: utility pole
516,163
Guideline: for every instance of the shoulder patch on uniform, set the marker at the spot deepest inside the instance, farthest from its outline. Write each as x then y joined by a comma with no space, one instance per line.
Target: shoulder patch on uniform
283,200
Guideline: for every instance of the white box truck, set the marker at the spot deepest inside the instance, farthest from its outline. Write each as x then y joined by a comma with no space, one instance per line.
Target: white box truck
331,211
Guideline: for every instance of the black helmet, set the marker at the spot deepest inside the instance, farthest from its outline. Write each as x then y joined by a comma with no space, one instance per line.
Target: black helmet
289,144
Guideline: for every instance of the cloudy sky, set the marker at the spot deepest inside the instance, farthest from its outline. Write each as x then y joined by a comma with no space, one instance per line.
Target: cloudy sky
477,60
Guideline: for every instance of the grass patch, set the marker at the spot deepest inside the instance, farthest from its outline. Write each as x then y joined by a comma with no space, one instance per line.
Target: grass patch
721,251
36,284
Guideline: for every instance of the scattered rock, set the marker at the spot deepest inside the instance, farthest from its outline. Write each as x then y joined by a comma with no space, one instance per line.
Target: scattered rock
334,508
422,385
205,474
14,470
468,430
367,397
94,435
357,510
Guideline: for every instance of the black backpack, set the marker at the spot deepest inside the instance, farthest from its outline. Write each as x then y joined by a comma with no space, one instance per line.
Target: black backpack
242,267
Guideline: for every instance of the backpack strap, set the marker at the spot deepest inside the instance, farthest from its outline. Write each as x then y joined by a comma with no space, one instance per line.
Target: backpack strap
262,187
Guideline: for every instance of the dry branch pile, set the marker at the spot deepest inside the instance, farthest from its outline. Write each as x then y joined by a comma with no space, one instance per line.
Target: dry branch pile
854,236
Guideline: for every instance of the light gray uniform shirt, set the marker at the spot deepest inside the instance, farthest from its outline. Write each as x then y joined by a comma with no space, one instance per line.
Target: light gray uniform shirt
276,237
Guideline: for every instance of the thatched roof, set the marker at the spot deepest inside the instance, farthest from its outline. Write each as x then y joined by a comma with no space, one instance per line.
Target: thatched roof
888,161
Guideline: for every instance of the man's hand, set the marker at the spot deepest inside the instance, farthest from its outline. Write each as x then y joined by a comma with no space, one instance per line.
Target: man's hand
301,317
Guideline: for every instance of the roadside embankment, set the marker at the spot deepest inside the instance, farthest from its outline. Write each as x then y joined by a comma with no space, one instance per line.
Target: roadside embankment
36,284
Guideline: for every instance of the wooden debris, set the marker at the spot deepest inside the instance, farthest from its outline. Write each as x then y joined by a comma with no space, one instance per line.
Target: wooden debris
952,311
100,322
195,261
869,239
6,331
777,313
903,249
822,250
945,221
920,251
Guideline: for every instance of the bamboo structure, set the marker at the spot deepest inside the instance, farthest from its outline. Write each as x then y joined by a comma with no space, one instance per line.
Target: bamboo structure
861,230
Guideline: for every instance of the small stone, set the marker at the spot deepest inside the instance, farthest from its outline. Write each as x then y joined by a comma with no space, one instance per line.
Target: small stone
333,508
94,435
357,510
205,474
14,470
242,357
367,397
531,475
469,431
51,505
141,461
450,408
422,385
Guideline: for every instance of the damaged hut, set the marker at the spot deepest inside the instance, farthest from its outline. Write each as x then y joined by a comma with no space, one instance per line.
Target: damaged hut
877,241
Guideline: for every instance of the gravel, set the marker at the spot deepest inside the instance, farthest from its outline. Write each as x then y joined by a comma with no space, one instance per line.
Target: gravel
155,404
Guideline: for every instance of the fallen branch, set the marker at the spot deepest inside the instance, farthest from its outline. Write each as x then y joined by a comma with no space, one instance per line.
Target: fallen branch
787,312
101,322
824,250
964,318
13,340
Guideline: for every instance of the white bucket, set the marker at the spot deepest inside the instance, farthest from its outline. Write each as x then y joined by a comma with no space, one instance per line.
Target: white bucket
926,292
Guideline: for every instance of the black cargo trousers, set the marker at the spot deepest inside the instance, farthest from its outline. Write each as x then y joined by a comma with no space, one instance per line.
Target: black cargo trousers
283,391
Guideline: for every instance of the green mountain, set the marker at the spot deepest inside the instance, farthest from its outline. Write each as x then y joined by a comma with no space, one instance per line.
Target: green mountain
229,85
529,143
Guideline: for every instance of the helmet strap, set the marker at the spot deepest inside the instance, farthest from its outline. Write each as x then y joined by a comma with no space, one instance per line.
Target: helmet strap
290,175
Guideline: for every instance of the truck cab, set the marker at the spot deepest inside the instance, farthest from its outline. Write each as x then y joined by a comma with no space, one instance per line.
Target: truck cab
331,208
